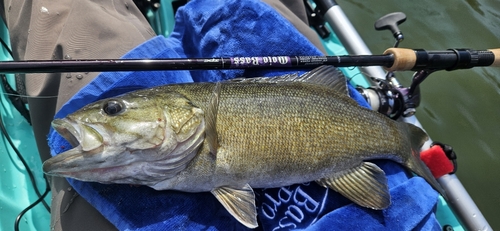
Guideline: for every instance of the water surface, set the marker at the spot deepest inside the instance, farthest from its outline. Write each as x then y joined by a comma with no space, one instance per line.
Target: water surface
460,108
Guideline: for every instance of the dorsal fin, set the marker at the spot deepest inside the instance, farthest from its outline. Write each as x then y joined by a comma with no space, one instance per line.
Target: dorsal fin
328,76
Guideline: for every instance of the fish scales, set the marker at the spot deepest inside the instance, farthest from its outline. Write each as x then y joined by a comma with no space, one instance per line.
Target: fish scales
231,136
272,131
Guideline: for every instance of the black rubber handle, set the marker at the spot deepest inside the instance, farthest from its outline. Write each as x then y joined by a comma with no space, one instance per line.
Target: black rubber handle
391,22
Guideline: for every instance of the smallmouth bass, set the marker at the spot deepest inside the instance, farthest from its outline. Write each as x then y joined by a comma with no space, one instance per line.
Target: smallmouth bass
229,137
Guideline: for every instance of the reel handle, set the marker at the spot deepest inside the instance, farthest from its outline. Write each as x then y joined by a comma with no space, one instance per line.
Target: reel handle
391,22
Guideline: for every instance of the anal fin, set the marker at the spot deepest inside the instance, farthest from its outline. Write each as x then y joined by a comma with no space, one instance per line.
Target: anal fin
240,203
365,185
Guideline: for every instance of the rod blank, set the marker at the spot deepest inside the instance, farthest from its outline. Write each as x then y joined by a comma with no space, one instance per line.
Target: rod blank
106,65
394,59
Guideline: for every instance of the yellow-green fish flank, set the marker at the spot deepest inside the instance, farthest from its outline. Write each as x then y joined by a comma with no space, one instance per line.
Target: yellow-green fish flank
232,136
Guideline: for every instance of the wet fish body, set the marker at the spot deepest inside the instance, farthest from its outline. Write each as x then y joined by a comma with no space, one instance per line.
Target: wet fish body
232,136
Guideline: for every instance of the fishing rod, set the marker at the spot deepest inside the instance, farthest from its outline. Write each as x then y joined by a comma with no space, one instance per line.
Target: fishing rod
393,59
382,93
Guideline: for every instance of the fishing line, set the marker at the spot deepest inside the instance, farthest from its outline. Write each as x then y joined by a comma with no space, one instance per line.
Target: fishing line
6,47
41,197
367,75
352,77
31,97
15,97
25,164
55,96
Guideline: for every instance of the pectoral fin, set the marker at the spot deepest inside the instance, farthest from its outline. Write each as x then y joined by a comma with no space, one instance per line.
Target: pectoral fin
365,185
240,203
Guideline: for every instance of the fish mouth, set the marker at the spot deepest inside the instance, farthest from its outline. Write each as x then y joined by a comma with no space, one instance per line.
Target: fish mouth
67,130
92,159
87,143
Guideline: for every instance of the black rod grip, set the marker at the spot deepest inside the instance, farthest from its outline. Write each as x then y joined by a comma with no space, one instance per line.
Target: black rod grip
451,59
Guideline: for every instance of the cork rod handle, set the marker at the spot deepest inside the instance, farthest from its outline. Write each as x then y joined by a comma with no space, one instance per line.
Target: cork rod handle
404,59
496,52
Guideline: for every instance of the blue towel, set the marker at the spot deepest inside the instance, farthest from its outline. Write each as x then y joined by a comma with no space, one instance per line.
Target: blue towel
215,28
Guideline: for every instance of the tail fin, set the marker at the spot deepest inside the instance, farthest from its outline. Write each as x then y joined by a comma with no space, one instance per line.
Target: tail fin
414,163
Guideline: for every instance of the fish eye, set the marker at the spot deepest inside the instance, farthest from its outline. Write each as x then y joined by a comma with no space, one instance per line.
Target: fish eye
112,107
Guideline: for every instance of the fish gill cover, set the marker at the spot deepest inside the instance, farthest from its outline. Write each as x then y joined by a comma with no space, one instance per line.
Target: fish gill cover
236,28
